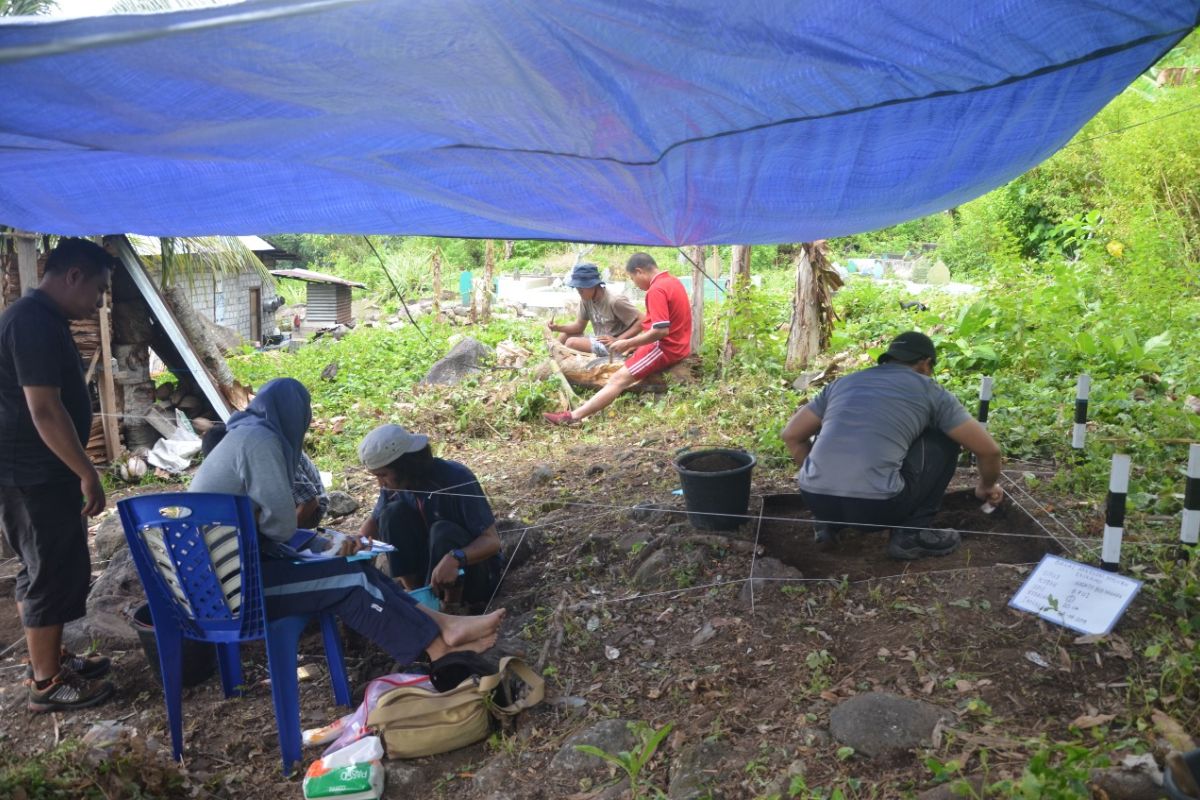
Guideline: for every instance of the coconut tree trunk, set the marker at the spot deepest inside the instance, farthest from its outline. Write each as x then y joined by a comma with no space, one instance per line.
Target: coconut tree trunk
485,291
197,331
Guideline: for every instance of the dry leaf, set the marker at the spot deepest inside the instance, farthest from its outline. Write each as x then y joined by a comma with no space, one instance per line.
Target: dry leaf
1172,731
964,686
1088,721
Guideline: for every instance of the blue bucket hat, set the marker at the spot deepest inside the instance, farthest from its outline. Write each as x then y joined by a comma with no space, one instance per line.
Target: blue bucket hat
584,276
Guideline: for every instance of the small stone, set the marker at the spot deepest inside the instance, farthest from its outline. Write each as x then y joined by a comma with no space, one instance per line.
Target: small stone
1119,783
542,474
401,776
610,735
648,512
654,570
878,723
693,771
342,504
768,572
596,469
493,777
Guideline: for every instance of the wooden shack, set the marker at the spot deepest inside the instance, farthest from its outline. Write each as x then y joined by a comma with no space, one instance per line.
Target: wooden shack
327,298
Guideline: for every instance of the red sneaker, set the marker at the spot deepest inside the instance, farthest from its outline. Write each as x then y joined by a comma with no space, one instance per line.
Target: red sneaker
560,418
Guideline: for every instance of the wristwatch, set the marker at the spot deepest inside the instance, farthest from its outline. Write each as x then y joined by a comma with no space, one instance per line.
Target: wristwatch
460,556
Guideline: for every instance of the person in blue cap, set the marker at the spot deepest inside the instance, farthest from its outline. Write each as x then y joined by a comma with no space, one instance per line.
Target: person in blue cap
613,316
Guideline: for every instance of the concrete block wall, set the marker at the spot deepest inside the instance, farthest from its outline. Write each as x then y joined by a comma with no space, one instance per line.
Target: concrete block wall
226,300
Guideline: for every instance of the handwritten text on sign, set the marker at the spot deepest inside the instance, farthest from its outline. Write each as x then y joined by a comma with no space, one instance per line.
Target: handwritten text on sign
1076,596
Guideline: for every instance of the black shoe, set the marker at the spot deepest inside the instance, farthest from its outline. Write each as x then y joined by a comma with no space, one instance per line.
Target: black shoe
823,533
88,667
66,691
908,545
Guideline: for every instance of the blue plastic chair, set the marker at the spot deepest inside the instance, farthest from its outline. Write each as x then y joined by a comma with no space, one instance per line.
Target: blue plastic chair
197,556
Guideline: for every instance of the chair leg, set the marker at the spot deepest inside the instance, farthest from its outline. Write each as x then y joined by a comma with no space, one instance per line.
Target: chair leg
283,641
229,661
170,661
333,657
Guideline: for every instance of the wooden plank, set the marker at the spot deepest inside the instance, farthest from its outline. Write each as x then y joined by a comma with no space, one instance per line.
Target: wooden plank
170,326
108,391
26,261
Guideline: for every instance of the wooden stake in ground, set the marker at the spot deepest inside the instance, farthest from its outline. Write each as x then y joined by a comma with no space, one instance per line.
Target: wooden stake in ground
108,389
739,284
698,280
489,276
436,268
812,305
26,261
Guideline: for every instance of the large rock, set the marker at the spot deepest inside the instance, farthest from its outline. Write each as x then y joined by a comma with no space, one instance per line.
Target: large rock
342,504
878,723
109,537
610,735
464,358
518,543
114,597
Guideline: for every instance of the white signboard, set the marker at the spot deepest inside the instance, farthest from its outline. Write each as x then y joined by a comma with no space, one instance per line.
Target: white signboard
1076,596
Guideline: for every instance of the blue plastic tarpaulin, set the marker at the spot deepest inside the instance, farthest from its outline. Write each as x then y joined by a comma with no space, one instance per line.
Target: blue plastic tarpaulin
709,121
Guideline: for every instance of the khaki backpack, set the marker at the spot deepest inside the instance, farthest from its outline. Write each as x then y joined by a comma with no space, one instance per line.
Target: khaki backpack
415,722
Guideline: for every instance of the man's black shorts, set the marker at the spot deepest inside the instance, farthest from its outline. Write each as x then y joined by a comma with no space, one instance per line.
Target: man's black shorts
44,525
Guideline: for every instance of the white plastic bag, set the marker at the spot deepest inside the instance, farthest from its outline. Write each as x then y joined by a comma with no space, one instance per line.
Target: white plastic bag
351,773
353,726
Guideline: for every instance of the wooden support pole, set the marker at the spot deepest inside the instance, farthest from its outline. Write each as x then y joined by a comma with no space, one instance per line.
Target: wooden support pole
698,280
26,261
1189,530
1114,513
437,283
108,392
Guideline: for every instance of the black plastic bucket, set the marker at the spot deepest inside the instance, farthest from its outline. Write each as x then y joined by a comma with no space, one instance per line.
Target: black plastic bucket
199,661
716,487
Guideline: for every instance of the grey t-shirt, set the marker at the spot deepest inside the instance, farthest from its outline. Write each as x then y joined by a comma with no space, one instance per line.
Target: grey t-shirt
610,314
869,419
249,461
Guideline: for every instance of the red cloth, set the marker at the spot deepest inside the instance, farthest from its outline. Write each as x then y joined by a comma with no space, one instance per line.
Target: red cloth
667,302
647,360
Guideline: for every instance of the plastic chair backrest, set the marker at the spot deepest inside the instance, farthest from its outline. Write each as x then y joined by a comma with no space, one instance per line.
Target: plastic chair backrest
197,555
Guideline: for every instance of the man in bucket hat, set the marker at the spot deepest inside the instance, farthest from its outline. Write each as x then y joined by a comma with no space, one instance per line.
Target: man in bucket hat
613,316
887,444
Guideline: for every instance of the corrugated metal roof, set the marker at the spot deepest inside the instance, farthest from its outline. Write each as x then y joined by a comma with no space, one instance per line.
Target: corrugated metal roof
315,277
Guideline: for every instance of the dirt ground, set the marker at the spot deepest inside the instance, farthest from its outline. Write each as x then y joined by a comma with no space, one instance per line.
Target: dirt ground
622,631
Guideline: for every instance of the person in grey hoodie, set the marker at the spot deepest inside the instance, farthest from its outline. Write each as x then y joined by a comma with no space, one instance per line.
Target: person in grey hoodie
258,458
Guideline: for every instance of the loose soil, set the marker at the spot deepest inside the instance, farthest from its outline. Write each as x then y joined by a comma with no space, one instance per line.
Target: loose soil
712,462
754,667
1006,536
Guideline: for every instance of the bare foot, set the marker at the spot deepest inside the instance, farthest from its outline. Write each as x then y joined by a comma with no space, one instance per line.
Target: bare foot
438,647
457,631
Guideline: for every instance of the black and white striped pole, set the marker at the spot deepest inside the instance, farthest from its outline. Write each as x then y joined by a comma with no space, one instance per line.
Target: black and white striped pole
1189,532
1114,513
985,398
1083,388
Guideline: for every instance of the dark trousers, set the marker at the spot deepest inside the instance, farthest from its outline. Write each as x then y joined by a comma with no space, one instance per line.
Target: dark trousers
927,471
420,548
360,595
44,526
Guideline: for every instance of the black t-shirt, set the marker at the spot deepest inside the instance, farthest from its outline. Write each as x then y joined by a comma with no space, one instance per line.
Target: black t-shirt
36,349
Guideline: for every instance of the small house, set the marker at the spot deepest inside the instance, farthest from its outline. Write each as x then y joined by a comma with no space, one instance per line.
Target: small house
327,297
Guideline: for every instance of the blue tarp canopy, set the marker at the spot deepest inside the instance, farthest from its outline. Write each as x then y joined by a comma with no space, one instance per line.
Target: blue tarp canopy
659,123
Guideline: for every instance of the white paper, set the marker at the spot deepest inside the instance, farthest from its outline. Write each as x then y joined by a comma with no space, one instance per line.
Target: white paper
1076,596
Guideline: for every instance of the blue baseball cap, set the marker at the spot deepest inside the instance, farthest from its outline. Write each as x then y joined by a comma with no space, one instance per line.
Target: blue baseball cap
585,276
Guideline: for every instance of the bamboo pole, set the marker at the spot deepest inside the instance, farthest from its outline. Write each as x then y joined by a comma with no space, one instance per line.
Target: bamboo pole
698,298
108,391
489,273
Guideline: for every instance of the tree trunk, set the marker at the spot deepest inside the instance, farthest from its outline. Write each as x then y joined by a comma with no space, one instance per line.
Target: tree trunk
698,280
436,267
812,305
197,332
485,291
739,283
508,249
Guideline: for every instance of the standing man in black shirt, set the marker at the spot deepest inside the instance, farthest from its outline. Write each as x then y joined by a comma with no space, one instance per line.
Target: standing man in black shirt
47,482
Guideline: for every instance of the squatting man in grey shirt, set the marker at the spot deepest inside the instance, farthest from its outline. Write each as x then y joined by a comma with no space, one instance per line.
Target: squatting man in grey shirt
888,443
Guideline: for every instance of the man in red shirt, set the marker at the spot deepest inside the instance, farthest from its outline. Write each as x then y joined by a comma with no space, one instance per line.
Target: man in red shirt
666,337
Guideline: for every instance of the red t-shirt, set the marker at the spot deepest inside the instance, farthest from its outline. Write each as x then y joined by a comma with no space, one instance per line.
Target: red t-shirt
667,303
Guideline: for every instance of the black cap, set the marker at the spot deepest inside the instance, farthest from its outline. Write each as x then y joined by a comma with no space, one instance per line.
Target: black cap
908,347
